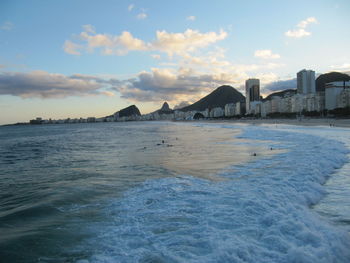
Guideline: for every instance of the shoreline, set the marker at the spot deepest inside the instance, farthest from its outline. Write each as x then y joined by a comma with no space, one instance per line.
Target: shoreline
324,122
343,123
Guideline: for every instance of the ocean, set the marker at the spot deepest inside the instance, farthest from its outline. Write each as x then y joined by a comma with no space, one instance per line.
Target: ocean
174,192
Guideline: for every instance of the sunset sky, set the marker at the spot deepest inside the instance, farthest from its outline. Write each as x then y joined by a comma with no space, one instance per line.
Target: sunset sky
79,58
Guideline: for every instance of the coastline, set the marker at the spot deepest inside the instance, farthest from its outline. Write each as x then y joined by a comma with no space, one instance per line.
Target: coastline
326,122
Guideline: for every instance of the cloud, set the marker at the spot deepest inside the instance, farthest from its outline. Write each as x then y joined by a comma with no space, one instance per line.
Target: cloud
89,29
181,105
188,41
300,30
170,85
189,72
157,85
41,84
131,7
297,33
7,26
280,85
71,48
191,18
266,78
141,16
342,67
156,56
170,43
213,60
112,45
108,93
266,54
128,42
307,21
242,68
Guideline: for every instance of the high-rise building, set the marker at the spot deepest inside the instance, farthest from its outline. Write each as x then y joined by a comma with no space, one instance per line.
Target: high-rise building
306,81
252,92
255,93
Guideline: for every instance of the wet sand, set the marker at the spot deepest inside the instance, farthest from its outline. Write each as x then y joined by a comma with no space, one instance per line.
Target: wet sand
329,122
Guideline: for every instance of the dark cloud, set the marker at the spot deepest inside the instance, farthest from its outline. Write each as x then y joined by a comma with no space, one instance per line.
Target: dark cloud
47,85
96,79
181,105
157,85
281,85
160,85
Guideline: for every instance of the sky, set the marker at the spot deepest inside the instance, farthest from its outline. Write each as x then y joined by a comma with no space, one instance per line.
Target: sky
81,58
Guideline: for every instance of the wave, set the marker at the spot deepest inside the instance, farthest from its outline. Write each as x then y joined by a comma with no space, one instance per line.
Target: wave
259,211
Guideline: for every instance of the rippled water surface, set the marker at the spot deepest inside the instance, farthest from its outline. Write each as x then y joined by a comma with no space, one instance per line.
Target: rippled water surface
172,192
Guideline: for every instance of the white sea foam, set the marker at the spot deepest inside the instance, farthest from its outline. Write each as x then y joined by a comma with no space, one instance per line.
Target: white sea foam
259,213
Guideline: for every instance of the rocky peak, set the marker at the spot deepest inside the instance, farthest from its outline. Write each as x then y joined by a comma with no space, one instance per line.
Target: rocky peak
165,107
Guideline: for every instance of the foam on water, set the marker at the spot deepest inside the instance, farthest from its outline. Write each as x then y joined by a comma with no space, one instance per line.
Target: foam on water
260,212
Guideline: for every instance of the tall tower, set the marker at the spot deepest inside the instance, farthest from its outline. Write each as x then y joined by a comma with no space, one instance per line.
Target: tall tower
252,92
306,81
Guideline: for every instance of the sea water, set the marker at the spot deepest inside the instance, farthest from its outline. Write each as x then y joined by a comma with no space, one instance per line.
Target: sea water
174,192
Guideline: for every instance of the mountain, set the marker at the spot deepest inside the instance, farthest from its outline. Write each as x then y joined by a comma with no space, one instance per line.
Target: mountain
330,77
218,98
165,109
129,111
282,94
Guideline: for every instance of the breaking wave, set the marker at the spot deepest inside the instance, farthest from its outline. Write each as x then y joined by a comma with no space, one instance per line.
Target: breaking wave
258,211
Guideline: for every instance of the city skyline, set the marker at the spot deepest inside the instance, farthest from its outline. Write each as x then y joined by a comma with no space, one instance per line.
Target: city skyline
78,59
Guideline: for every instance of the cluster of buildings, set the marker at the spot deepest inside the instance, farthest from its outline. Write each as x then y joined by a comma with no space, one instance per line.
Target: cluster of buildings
232,109
69,120
304,100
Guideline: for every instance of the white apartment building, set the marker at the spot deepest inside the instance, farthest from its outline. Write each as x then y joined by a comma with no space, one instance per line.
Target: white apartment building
230,109
285,105
332,91
293,104
343,99
275,103
238,108
217,112
265,108
255,107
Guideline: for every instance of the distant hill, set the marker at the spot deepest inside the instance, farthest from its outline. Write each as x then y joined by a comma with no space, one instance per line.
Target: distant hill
165,109
218,98
129,111
330,77
282,94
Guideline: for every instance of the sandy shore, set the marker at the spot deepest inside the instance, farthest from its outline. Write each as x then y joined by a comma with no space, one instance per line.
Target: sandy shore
302,122
326,122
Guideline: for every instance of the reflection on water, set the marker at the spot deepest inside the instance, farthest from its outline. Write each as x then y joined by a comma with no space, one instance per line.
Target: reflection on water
198,151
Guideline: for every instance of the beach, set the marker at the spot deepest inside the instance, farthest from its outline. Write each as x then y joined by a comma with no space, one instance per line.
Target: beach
329,122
